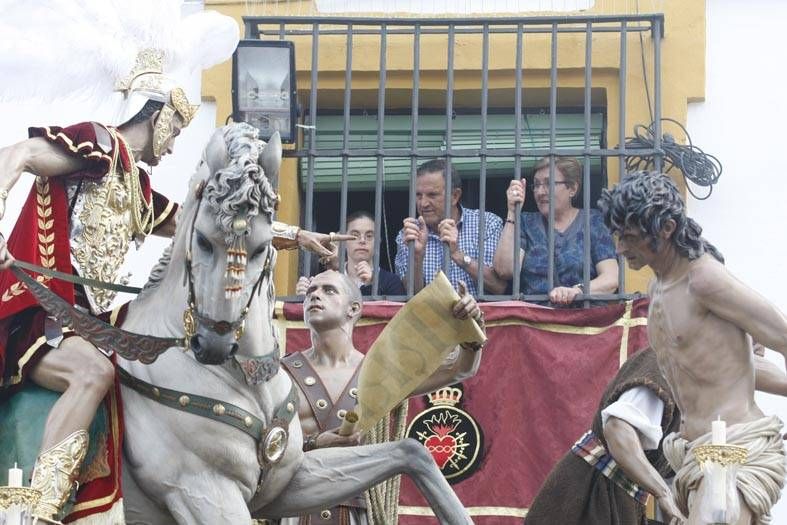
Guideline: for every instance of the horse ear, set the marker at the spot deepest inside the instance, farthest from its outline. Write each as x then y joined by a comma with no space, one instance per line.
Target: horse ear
270,159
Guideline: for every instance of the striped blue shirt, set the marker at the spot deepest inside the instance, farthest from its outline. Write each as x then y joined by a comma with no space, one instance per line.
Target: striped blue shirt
468,244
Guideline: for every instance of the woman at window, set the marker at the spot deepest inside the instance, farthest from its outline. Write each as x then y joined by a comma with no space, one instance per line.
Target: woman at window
569,238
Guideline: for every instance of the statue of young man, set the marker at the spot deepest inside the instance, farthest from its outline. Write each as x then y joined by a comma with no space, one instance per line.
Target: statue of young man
700,324
327,373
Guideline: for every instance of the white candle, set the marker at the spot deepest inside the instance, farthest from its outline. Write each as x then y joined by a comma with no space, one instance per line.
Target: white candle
719,472
718,432
14,514
15,477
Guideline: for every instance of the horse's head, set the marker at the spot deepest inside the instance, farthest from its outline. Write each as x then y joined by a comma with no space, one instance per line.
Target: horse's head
227,221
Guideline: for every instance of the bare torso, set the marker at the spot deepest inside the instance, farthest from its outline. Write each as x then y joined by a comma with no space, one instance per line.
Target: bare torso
707,360
334,377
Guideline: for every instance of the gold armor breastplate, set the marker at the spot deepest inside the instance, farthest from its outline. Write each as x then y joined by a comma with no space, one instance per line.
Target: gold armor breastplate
107,214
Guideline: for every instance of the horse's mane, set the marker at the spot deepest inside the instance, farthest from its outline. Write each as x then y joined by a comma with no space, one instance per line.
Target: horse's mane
240,188
158,271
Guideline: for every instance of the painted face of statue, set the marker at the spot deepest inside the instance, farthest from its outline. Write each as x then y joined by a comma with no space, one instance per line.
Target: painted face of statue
636,247
327,304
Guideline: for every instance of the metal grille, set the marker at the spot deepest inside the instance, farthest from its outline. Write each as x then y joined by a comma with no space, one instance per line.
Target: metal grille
316,29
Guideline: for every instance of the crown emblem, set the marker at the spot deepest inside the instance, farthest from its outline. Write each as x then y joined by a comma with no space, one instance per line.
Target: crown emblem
449,396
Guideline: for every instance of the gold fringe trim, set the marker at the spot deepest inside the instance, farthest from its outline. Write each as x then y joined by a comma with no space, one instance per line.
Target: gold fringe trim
75,149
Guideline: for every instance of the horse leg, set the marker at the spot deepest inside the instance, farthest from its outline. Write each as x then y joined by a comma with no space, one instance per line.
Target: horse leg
329,476
139,508
205,499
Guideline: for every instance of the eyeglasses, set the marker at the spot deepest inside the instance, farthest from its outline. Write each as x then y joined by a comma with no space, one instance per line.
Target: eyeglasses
539,185
368,236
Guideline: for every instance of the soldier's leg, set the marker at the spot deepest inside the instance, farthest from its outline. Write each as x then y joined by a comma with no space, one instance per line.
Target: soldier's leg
84,375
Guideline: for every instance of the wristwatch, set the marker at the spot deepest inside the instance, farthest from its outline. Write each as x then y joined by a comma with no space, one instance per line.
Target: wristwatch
466,260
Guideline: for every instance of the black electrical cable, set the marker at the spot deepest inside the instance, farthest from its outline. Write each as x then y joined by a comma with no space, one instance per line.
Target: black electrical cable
697,167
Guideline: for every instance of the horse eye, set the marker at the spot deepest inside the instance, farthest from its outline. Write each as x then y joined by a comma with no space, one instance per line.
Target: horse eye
259,251
203,243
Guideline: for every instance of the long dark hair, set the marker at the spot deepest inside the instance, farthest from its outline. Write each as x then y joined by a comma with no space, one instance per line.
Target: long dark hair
646,200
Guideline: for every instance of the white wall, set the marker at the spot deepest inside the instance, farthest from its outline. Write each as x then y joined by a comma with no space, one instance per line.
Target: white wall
742,122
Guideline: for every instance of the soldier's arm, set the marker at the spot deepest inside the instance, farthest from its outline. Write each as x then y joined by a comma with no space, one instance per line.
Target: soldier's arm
37,156
727,297
462,363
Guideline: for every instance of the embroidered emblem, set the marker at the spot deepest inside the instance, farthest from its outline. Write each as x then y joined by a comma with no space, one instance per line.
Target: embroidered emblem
450,434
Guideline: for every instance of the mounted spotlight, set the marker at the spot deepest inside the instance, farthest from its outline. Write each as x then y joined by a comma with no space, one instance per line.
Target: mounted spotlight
263,87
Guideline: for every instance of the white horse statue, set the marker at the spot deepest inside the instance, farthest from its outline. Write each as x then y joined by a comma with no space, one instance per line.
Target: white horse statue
185,468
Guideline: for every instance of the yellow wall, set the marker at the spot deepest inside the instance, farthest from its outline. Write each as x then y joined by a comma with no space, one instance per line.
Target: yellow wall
683,78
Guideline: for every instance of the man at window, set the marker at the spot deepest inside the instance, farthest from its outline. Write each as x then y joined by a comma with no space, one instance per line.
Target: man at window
459,232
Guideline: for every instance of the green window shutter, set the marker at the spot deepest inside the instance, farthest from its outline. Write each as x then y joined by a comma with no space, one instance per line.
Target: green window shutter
466,134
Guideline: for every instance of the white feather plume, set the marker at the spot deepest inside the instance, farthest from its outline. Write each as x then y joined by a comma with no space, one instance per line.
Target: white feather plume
62,49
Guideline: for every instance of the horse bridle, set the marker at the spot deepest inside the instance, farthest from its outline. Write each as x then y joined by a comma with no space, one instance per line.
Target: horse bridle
271,440
192,316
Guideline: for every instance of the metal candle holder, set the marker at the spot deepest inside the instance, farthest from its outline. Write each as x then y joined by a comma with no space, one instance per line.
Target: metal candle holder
724,455
21,496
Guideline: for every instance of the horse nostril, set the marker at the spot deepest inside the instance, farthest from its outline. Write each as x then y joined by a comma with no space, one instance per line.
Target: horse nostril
233,349
196,347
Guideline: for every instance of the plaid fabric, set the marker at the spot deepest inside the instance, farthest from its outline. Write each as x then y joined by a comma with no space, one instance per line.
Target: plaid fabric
592,450
468,242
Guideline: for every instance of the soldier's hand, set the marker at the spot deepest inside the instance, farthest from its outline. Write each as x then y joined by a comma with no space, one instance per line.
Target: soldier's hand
320,243
331,438
6,259
466,307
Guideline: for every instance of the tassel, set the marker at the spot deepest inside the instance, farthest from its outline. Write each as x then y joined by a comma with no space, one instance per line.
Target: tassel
235,273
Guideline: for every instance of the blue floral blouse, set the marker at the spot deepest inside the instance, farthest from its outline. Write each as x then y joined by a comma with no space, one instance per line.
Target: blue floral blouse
569,251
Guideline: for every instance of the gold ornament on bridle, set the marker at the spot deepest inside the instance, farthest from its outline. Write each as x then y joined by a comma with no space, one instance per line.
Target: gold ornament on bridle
236,259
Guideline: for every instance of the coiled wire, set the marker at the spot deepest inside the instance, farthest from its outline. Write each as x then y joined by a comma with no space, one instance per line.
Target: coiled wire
698,167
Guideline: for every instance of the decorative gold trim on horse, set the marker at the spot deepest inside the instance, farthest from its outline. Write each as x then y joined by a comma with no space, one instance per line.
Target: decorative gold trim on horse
271,440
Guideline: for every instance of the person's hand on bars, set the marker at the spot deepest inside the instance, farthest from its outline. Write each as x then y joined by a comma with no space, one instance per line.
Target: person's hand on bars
515,194
415,230
449,234
564,294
